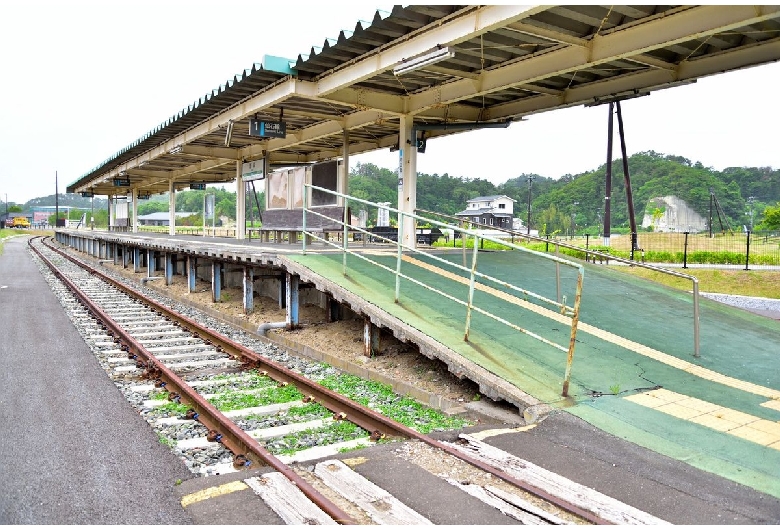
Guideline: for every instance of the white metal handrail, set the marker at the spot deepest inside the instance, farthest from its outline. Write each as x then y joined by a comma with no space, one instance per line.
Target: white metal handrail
570,311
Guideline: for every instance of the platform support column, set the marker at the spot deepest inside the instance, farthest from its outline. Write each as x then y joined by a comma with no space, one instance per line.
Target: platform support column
282,293
124,256
292,300
136,259
168,268
216,281
115,252
334,310
407,180
192,272
370,338
249,291
151,265
171,208
135,211
240,202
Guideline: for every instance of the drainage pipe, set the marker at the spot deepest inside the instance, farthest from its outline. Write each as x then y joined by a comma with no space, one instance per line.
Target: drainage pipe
262,329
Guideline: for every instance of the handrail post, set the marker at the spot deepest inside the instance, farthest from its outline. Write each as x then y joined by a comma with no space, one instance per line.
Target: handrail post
306,191
344,252
573,337
696,317
557,276
400,255
472,282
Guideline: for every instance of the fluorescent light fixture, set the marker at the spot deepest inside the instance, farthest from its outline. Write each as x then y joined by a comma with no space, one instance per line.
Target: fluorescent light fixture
142,163
229,133
440,54
176,150
123,173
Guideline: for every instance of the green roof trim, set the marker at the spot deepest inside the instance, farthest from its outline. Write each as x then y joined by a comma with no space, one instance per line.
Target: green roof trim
279,65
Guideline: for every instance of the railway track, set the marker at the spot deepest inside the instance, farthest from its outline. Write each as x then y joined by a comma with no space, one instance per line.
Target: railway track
223,407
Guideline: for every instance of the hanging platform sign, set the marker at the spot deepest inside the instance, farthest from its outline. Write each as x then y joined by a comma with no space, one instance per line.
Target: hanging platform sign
197,185
122,182
253,170
267,129
87,194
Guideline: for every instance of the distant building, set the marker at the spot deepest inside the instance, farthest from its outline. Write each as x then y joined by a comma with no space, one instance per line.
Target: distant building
492,210
160,218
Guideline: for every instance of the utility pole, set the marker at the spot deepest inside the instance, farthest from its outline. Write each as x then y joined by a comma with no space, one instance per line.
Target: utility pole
56,201
750,205
608,192
530,181
573,215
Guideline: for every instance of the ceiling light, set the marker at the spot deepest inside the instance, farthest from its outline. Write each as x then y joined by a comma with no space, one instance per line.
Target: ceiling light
176,150
440,54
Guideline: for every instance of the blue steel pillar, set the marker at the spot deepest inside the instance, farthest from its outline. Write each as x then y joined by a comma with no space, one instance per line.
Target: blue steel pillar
124,256
216,281
249,290
292,301
151,263
191,273
168,269
136,259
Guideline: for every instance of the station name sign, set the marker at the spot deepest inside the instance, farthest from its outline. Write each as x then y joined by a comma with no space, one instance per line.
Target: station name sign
197,185
267,129
87,194
122,182
253,170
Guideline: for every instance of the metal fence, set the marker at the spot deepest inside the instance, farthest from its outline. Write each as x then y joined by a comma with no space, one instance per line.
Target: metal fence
730,248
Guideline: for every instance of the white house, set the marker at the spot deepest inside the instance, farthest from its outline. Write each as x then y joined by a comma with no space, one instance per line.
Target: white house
160,218
493,210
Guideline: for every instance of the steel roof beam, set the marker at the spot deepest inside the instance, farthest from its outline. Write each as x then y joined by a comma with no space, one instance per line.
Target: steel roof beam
647,80
459,29
694,23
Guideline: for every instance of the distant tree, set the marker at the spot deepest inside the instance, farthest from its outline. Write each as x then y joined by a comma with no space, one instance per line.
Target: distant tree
15,209
772,217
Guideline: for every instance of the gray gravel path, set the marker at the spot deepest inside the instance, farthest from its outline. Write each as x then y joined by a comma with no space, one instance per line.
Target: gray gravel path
62,460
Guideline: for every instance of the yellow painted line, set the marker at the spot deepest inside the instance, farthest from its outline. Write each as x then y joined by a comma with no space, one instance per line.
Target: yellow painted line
210,493
774,404
487,433
636,347
739,424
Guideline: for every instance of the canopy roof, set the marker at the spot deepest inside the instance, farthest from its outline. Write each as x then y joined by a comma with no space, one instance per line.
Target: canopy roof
495,64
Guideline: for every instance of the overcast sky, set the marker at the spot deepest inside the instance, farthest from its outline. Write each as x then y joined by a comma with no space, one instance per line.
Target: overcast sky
81,80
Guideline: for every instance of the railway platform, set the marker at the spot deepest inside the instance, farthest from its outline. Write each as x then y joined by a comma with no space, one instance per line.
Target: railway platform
678,468
634,372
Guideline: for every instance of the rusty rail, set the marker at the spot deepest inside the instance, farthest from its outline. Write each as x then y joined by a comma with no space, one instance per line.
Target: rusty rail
368,419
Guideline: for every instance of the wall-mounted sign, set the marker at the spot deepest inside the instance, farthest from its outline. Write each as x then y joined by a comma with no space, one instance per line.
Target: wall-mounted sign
267,129
122,182
144,196
253,170
197,185
87,194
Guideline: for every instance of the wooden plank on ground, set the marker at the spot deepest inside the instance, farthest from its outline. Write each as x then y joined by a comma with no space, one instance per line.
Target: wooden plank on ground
289,503
382,507
502,506
578,495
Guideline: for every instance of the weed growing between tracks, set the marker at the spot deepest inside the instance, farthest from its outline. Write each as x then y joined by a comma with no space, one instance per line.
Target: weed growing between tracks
381,398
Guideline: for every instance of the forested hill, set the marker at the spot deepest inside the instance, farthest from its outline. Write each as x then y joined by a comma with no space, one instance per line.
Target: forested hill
736,190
